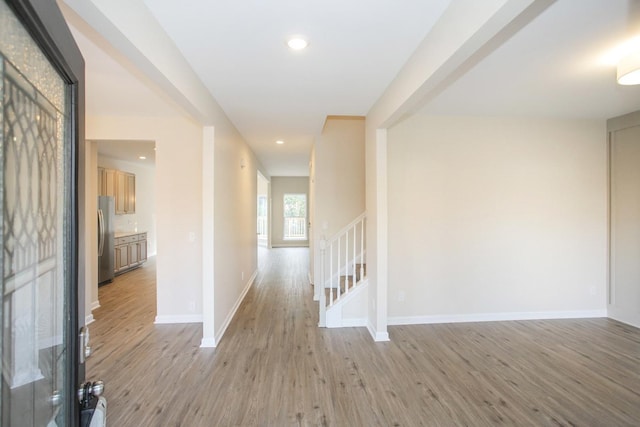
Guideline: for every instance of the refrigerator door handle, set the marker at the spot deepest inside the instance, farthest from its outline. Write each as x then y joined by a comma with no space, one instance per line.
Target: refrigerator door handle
100,232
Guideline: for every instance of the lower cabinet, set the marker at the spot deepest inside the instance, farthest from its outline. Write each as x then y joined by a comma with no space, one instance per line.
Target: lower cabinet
130,252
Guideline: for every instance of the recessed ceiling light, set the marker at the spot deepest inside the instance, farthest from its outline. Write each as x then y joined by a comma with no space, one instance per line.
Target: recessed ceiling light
280,142
142,158
297,43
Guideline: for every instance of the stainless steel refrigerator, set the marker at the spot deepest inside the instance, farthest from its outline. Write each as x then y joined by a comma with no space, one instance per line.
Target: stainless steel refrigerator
106,213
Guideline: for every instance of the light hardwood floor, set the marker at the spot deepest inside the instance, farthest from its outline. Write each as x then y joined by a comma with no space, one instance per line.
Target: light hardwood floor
275,367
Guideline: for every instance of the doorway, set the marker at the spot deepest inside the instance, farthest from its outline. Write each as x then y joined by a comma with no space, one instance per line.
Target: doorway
263,217
624,232
132,238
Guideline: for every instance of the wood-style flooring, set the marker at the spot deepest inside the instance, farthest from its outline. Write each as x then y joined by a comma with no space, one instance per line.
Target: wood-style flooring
275,367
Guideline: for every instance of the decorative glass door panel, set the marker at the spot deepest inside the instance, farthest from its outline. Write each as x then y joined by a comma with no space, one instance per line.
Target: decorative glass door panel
35,231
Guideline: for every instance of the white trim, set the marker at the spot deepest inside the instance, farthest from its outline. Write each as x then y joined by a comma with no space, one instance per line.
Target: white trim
232,313
185,318
377,336
292,244
623,318
347,228
88,319
208,343
495,317
360,322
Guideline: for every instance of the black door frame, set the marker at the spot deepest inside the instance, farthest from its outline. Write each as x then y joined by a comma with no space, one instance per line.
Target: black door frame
46,24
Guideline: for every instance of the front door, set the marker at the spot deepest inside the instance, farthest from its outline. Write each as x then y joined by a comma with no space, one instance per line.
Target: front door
39,138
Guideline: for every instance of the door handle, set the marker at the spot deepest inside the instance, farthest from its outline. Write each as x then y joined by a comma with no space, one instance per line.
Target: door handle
100,233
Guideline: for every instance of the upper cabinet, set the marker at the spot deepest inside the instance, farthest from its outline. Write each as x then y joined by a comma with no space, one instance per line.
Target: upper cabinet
107,182
119,185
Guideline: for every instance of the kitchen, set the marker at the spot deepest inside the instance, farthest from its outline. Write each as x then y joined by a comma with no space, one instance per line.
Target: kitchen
126,200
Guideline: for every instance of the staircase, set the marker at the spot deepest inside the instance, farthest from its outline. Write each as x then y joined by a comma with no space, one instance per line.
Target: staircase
343,271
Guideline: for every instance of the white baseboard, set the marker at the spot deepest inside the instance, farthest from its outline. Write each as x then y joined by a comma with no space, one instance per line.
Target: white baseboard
624,317
95,304
294,244
378,336
232,313
186,318
354,323
208,343
495,317
88,319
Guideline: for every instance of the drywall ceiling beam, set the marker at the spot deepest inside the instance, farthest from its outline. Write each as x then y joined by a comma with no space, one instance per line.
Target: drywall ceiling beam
465,34
130,28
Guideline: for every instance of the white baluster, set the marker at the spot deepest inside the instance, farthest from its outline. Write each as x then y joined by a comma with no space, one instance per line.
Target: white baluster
346,262
355,235
330,274
362,251
338,275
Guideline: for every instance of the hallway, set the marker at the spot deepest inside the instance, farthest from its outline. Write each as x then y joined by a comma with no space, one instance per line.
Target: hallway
275,367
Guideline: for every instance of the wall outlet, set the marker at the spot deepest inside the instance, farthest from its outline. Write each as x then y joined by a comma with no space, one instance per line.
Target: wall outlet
401,296
592,290
192,236
242,276
192,306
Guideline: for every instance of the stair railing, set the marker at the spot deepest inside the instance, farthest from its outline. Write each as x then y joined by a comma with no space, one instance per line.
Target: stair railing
342,260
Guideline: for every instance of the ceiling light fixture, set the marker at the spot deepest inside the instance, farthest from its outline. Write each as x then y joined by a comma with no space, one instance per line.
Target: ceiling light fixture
297,43
279,142
142,158
629,69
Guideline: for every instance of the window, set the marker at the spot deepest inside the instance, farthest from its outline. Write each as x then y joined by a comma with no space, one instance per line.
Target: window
295,217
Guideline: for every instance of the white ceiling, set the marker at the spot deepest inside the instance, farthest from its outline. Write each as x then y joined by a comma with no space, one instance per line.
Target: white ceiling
556,66
551,68
130,151
111,89
238,49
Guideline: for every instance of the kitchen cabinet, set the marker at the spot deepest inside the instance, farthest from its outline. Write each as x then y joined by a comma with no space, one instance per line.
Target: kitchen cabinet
106,182
125,193
121,186
130,251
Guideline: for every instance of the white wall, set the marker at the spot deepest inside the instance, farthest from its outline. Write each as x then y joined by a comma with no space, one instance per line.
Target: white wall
458,40
145,217
235,242
339,178
493,218
281,185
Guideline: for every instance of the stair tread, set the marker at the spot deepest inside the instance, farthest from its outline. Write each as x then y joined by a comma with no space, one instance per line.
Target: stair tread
343,278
